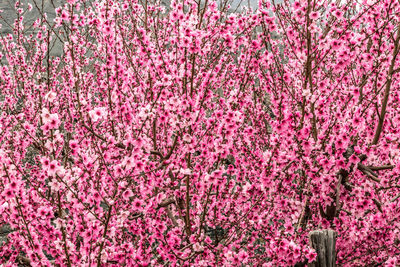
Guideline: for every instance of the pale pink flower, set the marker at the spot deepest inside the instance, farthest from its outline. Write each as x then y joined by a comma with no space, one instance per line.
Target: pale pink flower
50,96
97,113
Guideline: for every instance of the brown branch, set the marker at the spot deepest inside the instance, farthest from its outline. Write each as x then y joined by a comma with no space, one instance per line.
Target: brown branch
188,223
63,231
367,171
387,90
379,168
24,260
171,216
166,202
157,153
104,236
302,216
94,133
395,198
378,204
339,183
154,129
203,215
119,145
172,148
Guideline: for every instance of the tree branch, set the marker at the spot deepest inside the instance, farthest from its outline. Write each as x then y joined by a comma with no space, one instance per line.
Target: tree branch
379,168
387,90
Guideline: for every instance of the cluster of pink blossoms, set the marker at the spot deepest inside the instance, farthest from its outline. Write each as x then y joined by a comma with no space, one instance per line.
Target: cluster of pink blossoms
189,135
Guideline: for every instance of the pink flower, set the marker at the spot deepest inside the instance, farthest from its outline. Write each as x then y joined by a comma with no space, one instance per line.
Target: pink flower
340,144
64,15
127,194
53,121
356,121
338,14
197,247
45,115
335,44
137,204
314,15
97,113
186,172
52,168
354,159
296,5
9,194
54,185
311,255
45,162
187,138
50,96
73,144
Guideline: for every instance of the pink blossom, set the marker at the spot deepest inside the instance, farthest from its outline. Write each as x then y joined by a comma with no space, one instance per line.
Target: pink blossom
50,96
52,168
97,113
314,15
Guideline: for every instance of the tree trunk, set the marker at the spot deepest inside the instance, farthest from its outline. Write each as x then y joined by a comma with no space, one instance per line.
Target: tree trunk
324,242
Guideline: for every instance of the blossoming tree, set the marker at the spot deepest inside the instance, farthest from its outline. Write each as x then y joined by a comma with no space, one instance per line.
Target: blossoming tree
188,135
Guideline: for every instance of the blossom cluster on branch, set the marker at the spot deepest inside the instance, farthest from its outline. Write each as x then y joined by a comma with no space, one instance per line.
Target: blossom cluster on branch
189,135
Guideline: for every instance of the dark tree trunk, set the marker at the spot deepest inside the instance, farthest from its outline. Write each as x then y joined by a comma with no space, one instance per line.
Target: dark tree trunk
324,242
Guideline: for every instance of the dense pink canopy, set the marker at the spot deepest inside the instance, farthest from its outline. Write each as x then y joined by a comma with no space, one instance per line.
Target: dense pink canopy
189,135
